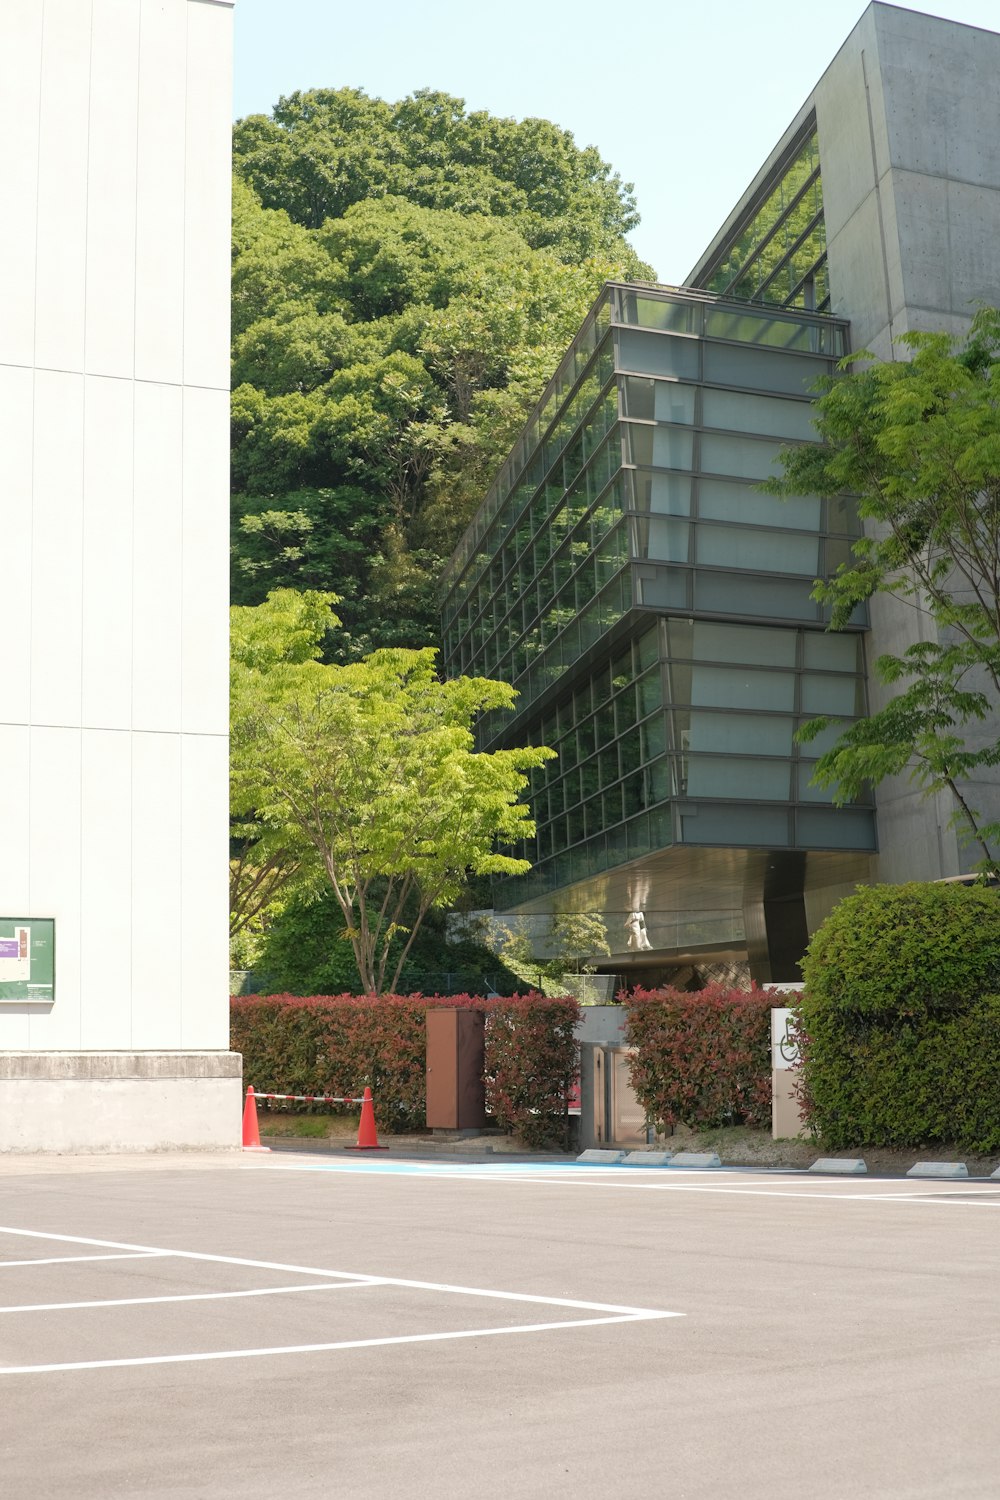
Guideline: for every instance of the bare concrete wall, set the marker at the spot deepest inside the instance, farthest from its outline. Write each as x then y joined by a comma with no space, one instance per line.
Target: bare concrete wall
107,1102
908,116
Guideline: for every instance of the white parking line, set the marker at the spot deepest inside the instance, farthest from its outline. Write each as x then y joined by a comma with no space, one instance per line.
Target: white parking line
265,1291
628,1179
408,1338
68,1260
338,1280
225,1260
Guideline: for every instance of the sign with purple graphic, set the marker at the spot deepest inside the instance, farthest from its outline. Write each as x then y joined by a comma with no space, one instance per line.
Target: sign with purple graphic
27,960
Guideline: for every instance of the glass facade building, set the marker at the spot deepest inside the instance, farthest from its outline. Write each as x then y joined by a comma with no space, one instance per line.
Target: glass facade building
653,608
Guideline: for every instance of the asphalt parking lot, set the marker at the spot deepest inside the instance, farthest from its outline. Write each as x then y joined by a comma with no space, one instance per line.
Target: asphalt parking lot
241,1326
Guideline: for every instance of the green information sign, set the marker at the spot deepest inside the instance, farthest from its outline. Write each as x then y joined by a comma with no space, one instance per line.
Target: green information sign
27,960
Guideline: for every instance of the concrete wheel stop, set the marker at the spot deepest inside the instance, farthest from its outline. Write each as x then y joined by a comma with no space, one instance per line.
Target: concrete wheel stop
842,1166
948,1169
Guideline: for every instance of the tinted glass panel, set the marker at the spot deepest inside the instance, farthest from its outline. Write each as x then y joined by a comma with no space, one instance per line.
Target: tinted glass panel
762,370
739,687
835,828
745,733
729,825
745,594
761,647
658,354
661,539
746,457
831,695
727,776
806,792
664,494
834,652
673,403
659,447
763,551
649,312
742,412
728,500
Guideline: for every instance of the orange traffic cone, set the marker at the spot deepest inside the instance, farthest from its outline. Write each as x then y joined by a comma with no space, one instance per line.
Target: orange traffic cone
251,1134
367,1134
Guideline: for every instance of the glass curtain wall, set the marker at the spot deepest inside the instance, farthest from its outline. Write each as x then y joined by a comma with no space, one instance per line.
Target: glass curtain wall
542,572
778,254
708,397
632,495
687,736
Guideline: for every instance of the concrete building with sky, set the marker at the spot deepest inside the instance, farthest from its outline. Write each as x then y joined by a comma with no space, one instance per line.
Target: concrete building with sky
653,608
114,381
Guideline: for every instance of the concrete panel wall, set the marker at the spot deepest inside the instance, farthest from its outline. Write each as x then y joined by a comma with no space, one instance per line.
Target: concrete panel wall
909,130
113,478
909,124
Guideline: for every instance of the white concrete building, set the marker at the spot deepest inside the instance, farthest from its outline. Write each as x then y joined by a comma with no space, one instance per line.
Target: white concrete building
114,380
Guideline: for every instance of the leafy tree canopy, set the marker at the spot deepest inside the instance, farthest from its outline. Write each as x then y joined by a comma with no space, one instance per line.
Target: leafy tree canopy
918,442
366,776
405,279
324,150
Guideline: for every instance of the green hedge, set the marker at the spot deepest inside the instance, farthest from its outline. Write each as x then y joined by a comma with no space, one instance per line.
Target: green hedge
339,1044
532,1063
703,1057
906,949
900,1021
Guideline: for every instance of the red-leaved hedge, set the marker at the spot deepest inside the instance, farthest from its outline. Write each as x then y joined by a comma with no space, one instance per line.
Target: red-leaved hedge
703,1057
338,1044
532,1062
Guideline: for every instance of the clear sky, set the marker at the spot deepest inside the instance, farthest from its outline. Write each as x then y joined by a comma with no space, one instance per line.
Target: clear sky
685,98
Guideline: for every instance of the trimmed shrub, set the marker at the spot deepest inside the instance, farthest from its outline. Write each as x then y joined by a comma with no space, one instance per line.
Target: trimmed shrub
899,1023
337,1044
906,950
703,1058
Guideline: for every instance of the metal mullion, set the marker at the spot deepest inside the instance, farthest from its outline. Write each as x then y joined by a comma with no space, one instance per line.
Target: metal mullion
798,243
776,178
755,253
522,468
811,272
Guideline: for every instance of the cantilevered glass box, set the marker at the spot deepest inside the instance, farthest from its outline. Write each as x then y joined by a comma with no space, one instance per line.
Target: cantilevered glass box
652,607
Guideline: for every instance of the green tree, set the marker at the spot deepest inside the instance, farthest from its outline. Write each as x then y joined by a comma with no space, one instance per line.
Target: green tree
268,861
918,442
324,150
405,279
368,773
